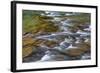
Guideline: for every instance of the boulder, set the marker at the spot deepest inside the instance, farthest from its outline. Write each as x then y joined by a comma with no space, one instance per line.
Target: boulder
81,48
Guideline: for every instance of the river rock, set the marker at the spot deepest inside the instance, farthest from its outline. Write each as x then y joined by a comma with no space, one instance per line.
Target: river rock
26,51
81,48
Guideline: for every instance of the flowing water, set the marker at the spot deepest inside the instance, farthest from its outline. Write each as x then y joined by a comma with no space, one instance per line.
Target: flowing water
72,28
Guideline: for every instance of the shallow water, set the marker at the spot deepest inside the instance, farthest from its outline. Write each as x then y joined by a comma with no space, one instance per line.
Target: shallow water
69,26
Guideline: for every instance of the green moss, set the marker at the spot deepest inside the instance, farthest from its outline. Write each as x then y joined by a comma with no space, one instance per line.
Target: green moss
38,23
35,23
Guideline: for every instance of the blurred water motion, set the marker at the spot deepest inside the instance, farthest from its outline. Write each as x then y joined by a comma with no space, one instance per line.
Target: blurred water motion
56,36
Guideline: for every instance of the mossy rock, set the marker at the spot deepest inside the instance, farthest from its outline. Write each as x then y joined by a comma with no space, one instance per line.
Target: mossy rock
45,28
36,24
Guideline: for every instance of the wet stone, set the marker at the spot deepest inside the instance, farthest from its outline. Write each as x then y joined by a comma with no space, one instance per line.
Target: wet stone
57,36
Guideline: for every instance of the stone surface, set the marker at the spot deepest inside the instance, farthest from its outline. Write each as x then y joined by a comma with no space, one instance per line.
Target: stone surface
56,36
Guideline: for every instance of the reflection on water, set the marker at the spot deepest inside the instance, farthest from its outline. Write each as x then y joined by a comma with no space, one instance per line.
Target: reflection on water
55,36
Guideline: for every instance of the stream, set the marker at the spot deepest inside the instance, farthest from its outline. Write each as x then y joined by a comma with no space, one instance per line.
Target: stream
69,39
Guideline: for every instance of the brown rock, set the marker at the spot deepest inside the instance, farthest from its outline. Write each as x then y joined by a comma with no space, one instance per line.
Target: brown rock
28,46
50,44
26,51
27,41
81,48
